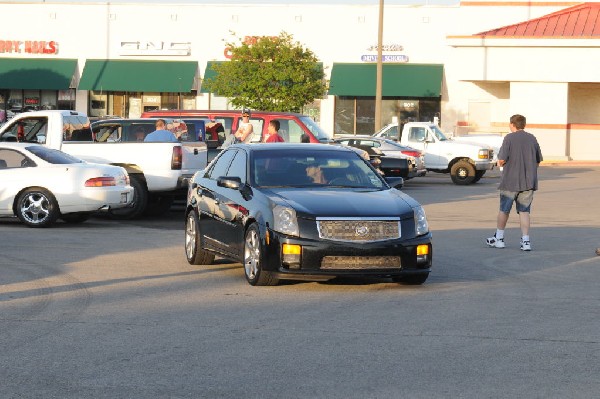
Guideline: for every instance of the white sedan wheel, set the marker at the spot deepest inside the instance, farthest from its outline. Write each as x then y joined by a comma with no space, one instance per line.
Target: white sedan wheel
37,207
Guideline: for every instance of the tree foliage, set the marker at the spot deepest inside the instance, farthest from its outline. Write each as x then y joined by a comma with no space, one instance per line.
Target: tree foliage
269,74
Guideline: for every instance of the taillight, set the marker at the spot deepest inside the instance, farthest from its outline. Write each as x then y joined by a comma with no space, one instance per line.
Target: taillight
177,158
412,153
101,182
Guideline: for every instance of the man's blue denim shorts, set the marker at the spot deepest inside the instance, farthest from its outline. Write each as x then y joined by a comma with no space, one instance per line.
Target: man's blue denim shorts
522,198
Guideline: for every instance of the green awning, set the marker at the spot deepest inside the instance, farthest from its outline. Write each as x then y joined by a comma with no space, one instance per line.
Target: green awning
398,80
209,73
136,76
36,74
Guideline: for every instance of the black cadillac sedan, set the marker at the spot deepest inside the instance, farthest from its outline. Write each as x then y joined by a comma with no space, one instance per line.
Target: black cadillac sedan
304,212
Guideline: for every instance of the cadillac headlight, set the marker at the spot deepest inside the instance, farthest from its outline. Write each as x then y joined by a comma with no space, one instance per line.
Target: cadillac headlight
421,225
285,221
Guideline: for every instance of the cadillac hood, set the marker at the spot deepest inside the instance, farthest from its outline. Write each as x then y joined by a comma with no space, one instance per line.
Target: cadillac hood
328,202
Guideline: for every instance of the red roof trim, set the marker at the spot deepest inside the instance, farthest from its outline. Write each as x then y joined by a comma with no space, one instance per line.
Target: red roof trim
581,21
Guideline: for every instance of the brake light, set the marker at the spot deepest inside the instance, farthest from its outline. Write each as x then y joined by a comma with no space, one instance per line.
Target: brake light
177,158
101,182
412,153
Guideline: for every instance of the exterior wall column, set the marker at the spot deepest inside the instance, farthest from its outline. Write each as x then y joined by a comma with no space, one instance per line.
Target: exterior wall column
545,105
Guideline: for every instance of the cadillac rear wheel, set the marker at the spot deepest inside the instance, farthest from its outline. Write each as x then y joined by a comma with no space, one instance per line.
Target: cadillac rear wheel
194,252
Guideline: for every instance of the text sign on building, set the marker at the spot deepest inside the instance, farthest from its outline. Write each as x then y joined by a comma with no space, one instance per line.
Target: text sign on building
141,47
29,46
384,58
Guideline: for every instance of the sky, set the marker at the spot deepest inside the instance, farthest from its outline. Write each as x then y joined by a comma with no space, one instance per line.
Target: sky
346,2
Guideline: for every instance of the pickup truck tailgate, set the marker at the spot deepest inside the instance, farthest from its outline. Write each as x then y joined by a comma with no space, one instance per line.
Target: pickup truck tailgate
195,156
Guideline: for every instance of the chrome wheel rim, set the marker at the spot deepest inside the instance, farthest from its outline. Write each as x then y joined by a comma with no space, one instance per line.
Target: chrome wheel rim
190,237
252,254
34,208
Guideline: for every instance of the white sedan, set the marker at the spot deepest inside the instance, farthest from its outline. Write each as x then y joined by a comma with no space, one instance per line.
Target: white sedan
40,185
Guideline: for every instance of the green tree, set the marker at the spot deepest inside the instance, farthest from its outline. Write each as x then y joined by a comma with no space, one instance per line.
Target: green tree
269,74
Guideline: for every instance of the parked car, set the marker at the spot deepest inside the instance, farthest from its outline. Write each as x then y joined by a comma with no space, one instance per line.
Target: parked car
390,151
299,211
40,185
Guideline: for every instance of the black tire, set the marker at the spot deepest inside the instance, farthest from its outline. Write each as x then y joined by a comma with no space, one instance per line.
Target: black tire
77,217
139,203
158,205
478,175
254,258
194,252
462,173
412,279
37,207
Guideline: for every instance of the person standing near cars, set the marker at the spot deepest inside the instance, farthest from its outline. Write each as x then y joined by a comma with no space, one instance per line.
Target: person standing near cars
519,156
245,129
273,132
161,133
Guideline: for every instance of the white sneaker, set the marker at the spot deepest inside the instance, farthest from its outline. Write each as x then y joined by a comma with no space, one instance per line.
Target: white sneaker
525,246
494,242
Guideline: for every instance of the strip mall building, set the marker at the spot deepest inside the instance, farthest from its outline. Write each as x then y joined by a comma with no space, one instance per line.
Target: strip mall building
472,64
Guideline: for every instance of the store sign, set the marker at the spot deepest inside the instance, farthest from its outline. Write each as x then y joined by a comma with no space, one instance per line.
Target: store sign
28,47
384,58
142,47
386,47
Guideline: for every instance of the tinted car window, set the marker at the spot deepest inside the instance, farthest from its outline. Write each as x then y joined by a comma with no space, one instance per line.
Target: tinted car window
238,166
219,168
53,156
76,128
13,159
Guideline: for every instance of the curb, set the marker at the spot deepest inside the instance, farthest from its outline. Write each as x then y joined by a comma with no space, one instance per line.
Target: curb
569,163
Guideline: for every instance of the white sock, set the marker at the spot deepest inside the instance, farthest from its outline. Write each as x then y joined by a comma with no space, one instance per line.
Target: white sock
525,238
499,234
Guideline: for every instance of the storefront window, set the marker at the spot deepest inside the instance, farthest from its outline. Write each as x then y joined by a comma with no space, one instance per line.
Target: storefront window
15,102
344,116
49,100
392,110
31,100
98,104
66,99
169,101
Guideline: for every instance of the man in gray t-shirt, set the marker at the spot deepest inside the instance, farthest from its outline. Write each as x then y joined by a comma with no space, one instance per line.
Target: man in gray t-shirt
519,156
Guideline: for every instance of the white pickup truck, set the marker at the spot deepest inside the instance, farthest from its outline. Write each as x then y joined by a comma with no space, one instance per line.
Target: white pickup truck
466,162
158,170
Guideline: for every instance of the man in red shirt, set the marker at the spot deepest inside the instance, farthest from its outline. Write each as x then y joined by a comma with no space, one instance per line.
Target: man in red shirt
273,133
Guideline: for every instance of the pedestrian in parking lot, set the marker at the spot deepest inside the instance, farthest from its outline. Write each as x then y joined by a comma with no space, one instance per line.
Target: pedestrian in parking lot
245,129
273,132
161,133
519,156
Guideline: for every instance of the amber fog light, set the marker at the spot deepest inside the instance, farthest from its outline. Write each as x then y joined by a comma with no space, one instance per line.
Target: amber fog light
291,255
423,252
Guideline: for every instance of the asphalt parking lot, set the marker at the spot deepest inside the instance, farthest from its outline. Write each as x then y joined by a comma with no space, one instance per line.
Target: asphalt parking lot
112,309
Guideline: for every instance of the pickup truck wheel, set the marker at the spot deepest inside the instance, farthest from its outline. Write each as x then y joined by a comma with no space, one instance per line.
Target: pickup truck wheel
37,207
194,252
462,173
138,204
